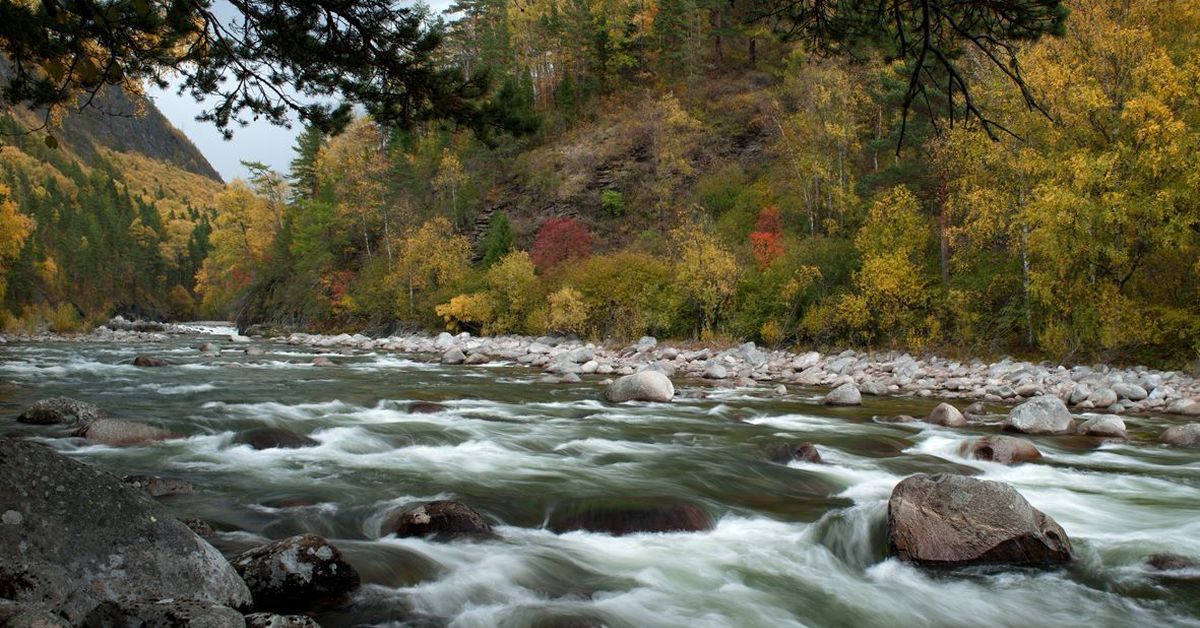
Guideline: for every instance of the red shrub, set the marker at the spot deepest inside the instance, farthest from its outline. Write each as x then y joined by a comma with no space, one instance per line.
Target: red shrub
559,240
766,241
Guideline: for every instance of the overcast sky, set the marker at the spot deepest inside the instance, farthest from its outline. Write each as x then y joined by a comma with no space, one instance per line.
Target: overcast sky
261,141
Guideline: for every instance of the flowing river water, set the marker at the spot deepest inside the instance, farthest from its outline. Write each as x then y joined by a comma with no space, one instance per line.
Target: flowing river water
792,545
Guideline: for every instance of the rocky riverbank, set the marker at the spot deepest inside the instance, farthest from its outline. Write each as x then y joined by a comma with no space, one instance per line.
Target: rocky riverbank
1099,388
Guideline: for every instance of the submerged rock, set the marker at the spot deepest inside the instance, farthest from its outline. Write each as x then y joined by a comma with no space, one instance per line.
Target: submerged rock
444,520
112,541
1041,415
116,432
321,361
426,407
954,520
946,415
149,361
301,573
642,386
896,418
1171,562
845,395
1001,449
273,438
620,518
62,410
156,486
1181,435
784,453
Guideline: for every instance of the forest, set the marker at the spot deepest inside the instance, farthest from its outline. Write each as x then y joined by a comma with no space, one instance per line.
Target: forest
679,169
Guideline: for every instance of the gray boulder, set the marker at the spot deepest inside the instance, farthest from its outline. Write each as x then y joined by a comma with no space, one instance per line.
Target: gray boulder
715,370
1107,425
270,620
642,386
845,395
1041,415
165,613
954,520
117,432
1132,392
65,410
454,356
127,546
156,486
443,520
946,415
1181,435
301,573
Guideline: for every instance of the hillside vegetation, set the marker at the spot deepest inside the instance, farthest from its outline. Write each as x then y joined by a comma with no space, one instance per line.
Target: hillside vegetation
114,217
748,189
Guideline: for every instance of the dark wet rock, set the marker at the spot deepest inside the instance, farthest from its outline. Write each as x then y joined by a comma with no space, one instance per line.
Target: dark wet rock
34,618
845,395
1001,449
955,520
149,361
946,415
426,407
117,541
297,574
444,520
200,527
117,432
62,410
269,620
156,486
164,613
273,438
1041,415
784,453
1181,435
642,386
899,418
619,518
34,586
1105,426
1171,562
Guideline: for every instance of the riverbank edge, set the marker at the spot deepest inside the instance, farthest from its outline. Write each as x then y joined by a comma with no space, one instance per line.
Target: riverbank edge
1100,388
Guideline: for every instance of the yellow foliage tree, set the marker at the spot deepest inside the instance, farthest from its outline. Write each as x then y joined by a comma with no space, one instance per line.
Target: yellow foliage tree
15,227
706,273
431,258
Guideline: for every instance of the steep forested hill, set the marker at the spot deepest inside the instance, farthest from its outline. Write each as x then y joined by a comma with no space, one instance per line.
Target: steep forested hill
114,215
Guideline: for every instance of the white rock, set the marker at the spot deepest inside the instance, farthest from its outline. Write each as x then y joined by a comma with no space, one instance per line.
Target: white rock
1041,415
1104,425
643,386
845,395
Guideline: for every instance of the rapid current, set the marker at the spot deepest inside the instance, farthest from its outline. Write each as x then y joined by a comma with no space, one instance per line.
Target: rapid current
795,545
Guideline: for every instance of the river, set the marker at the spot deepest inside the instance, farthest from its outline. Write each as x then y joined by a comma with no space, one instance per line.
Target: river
794,545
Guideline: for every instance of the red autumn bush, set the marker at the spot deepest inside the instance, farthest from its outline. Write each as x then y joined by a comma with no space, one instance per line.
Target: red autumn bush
559,240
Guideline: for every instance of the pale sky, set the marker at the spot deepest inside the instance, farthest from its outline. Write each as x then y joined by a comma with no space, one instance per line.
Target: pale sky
260,141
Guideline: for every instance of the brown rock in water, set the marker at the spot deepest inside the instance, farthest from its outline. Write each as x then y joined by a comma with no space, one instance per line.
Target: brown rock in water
954,520
149,361
1181,435
899,418
273,438
1171,562
443,519
297,574
61,410
116,432
426,407
156,486
321,361
1001,449
620,518
784,453
946,415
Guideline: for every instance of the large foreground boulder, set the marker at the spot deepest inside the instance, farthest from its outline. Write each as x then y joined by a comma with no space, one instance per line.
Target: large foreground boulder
620,518
1181,435
166,613
643,386
297,574
1001,449
65,410
85,533
443,520
1041,415
117,432
954,520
